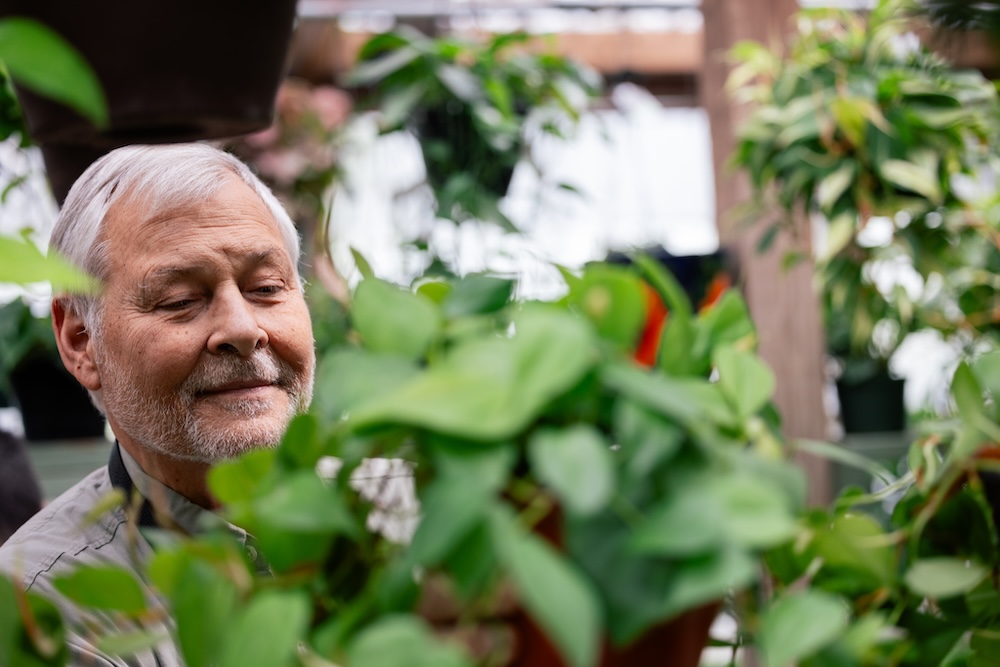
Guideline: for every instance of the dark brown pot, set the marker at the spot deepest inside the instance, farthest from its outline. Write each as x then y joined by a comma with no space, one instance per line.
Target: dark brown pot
171,71
677,642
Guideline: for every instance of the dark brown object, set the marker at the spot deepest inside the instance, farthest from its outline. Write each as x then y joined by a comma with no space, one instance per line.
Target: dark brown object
676,643
20,492
872,405
54,406
174,71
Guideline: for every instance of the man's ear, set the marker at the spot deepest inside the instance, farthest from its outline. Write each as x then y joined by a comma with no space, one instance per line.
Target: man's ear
75,345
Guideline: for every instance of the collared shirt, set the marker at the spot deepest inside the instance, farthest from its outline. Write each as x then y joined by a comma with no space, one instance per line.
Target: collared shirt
63,536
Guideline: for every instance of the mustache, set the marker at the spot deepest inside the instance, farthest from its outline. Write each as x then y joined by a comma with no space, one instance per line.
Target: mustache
217,371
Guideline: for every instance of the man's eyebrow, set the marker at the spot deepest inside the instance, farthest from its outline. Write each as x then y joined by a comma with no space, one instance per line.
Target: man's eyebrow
250,260
168,272
259,257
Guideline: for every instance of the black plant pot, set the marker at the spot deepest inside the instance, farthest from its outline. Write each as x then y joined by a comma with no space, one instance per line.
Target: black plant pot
53,404
452,144
171,71
872,404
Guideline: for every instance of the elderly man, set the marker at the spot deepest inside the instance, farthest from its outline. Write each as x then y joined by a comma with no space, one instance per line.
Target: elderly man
198,348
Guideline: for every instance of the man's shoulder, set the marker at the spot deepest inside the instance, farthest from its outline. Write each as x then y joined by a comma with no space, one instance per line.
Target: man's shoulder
64,534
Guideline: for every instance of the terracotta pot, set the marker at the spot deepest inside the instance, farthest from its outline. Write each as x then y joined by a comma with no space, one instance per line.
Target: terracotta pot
171,71
675,643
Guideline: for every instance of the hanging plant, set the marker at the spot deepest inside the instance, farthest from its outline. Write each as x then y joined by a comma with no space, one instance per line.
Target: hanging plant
471,106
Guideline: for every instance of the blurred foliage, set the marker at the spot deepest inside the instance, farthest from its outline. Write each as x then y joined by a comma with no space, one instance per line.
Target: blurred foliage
858,122
525,425
962,15
921,590
471,106
39,59
663,485
22,334
11,118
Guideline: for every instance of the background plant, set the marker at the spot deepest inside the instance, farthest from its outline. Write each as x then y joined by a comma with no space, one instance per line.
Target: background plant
921,590
22,334
859,124
472,106
35,57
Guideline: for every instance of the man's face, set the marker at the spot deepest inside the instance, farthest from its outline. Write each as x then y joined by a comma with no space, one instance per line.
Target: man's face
205,347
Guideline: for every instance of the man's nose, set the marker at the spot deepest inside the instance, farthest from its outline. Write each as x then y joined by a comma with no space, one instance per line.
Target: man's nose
235,327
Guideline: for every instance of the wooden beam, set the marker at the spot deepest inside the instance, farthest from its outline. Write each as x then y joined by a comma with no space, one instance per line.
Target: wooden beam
322,51
782,303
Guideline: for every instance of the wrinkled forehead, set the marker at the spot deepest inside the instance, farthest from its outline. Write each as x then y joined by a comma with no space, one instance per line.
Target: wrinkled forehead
137,185
159,224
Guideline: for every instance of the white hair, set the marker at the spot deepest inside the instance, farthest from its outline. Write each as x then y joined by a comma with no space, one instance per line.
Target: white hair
153,179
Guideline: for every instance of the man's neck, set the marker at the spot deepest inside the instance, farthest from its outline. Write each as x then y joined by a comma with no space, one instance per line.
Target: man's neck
188,478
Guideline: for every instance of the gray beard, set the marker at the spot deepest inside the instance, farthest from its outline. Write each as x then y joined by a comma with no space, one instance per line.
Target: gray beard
172,426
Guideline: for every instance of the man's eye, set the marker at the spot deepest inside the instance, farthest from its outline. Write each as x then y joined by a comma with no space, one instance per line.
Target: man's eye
268,289
179,304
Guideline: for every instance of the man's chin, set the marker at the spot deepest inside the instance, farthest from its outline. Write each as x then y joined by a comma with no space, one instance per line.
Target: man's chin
212,450
222,444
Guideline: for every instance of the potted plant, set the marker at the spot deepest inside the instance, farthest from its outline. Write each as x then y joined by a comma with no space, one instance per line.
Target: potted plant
864,324
621,503
471,106
862,126
921,590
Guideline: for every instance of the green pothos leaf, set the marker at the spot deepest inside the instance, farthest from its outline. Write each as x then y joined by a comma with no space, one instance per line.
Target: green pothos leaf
266,631
799,624
745,380
402,641
576,462
21,262
39,59
488,389
944,577
394,320
31,634
103,587
559,598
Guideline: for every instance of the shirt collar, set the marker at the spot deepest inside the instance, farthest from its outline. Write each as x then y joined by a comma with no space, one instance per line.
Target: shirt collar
168,505
163,507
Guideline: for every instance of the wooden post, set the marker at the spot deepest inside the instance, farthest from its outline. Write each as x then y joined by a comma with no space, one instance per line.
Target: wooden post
783,303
